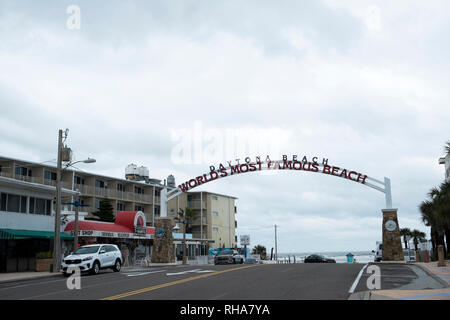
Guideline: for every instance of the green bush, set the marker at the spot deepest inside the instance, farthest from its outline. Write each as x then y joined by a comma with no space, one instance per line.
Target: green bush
44,255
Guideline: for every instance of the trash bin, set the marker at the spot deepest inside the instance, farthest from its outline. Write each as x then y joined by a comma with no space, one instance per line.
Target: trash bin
51,267
350,258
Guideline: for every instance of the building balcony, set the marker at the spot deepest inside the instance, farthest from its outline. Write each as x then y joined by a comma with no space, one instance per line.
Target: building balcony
196,204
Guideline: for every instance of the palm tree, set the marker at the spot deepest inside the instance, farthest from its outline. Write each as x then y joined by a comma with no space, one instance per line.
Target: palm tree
447,148
404,232
261,250
186,217
429,219
435,213
417,236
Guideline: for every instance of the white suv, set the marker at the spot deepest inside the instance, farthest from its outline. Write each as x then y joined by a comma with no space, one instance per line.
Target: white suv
93,258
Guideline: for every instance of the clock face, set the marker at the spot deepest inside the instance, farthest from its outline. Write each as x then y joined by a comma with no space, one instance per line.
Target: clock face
390,225
160,232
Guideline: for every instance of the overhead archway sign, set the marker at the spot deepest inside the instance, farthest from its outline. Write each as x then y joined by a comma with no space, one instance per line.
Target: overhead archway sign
259,164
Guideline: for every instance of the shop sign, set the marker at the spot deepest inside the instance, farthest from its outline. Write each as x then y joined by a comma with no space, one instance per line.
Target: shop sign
140,231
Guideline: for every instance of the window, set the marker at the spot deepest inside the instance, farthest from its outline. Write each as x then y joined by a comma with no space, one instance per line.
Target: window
13,203
49,175
120,206
120,187
23,171
215,213
138,190
214,229
138,208
78,180
23,204
110,249
100,184
31,205
3,202
40,206
214,198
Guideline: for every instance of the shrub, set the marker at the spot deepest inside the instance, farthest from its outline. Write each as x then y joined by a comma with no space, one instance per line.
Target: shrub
44,255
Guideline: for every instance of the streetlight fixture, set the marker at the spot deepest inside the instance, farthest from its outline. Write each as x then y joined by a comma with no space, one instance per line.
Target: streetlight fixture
64,154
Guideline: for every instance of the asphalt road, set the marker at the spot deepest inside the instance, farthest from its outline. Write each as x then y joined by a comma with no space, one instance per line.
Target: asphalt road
209,282
240,282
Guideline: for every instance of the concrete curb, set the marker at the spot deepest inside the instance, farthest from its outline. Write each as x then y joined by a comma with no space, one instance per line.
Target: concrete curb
25,278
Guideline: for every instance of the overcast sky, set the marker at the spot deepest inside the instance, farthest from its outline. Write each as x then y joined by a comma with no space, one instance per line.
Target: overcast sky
362,83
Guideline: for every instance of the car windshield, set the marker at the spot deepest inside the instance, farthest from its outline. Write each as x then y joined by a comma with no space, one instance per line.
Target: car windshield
225,253
87,250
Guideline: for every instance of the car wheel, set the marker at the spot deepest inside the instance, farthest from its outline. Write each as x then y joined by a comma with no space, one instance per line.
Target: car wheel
95,268
117,266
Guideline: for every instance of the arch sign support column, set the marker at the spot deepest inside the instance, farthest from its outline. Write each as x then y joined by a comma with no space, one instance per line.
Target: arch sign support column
392,248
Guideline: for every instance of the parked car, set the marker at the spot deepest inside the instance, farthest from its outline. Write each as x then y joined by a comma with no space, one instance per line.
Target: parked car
228,257
318,258
94,257
410,255
252,261
378,251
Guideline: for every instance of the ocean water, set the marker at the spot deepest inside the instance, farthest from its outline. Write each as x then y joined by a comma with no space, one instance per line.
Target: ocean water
340,257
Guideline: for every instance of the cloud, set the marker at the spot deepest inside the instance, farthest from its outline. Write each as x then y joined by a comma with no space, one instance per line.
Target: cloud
324,78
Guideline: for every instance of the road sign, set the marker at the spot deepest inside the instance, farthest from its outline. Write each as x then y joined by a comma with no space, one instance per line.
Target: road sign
245,240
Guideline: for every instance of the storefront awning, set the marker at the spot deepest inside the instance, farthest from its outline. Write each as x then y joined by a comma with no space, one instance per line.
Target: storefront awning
11,234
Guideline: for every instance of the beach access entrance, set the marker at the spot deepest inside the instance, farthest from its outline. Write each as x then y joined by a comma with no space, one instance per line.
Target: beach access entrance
392,248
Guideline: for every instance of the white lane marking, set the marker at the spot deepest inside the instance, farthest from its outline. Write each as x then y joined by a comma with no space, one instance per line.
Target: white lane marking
189,271
219,296
142,274
353,287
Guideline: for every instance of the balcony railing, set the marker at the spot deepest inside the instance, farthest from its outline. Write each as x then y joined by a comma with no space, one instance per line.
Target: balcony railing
195,204
197,221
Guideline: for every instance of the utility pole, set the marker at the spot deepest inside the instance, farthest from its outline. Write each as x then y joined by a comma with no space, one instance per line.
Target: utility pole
76,222
276,249
56,240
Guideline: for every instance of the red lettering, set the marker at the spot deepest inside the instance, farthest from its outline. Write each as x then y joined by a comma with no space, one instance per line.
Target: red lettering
334,171
315,167
297,165
190,183
244,166
344,172
199,180
235,169
350,175
309,166
287,164
326,169
252,167
215,175
223,172
184,187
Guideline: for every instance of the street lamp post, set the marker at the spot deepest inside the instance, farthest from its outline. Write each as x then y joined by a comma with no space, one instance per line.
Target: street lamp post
59,170
56,241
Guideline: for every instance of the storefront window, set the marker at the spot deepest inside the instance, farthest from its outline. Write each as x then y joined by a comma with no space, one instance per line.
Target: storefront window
13,203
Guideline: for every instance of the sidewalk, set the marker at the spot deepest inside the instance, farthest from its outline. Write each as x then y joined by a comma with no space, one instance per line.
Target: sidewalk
441,274
16,276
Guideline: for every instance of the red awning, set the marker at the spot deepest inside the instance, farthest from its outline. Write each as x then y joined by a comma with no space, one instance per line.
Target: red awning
124,223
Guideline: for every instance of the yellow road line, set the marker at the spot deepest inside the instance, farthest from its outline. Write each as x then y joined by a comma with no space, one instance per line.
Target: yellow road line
168,284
